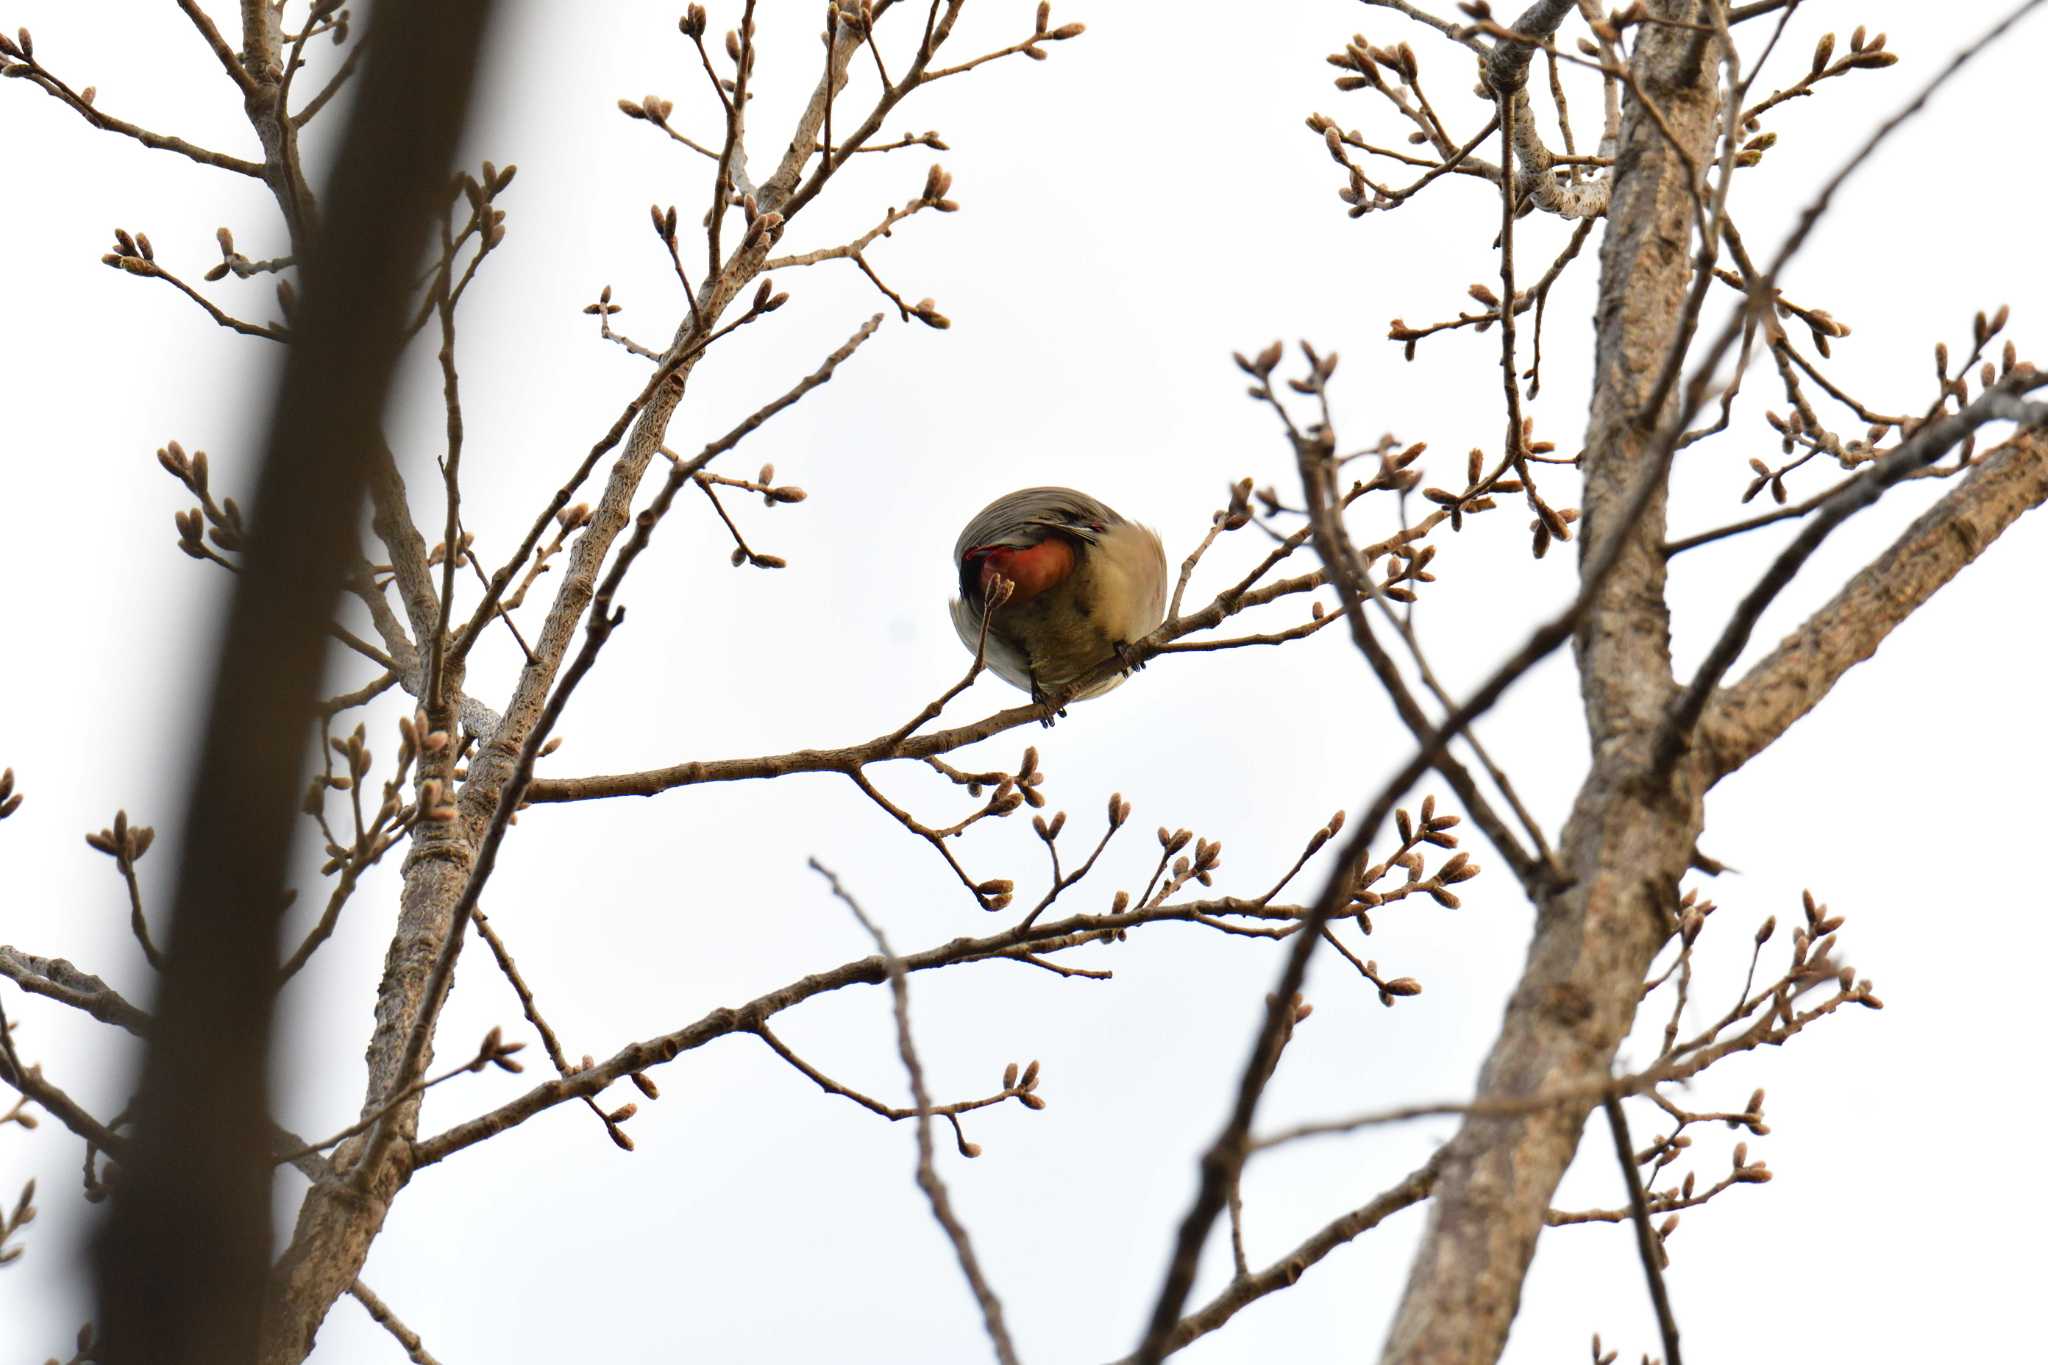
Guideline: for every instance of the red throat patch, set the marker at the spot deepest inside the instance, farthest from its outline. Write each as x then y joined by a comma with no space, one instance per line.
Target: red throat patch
1033,568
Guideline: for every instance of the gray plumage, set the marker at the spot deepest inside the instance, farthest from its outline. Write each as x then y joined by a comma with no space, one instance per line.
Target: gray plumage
1113,596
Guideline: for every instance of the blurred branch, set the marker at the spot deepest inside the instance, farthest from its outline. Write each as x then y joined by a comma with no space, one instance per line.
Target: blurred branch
202,1140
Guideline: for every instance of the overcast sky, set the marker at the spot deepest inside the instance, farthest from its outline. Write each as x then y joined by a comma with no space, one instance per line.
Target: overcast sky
1133,210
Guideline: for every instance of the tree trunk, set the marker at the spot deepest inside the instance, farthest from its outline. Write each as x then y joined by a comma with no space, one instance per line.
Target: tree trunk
1629,838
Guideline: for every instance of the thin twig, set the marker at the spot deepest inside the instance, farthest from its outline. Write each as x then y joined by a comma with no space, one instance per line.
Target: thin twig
42,77
927,1173
603,620
334,84
484,1057
224,54
1247,1289
527,1006
502,578
1646,1236
451,481
136,922
902,743
60,1106
735,125
1073,931
381,1314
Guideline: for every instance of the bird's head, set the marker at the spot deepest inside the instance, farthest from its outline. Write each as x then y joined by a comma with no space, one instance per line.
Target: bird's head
1033,537
1032,568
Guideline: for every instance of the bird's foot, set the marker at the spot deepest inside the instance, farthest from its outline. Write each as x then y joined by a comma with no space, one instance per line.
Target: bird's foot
1053,710
1127,658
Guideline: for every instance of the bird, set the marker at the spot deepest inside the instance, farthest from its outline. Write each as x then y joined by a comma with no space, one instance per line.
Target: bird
1060,583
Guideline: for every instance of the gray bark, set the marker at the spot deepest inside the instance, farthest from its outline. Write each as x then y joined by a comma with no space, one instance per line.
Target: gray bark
1629,839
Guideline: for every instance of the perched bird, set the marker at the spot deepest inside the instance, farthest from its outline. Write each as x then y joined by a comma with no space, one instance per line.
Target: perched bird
1083,585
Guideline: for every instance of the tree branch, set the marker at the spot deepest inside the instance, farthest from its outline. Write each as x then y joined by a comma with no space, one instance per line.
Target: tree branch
38,75
1922,448
1009,944
927,1172
1247,1289
381,1314
1745,718
1646,1236
224,54
897,744
28,1080
56,979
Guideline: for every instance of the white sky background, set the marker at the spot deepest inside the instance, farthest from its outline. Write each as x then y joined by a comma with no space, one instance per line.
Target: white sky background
1133,210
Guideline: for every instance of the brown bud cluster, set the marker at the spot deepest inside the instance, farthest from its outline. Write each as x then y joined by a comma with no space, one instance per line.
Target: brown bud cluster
124,843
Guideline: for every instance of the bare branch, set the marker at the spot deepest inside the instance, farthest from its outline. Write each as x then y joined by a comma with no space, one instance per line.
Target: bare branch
1924,447
29,1081
603,620
415,1350
1226,1154
493,1052
1646,1237
927,1173
149,269
553,1045
221,51
1014,943
1743,719
327,92
37,74
1247,1289
902,744
56,979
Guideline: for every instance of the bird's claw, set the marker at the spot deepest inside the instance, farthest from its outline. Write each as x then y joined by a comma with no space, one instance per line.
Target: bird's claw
1127,658
1053,710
